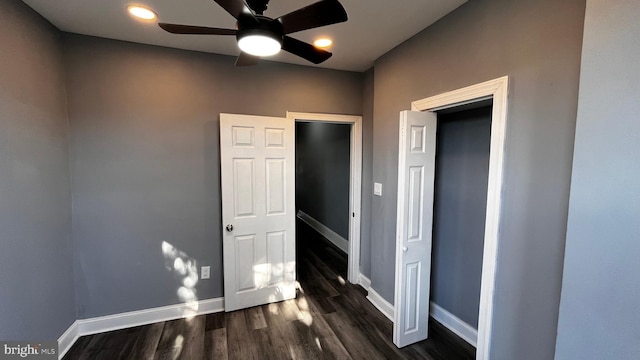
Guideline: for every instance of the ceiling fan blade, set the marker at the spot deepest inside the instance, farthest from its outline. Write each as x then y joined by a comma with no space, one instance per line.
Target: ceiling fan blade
304,50
195,30
245,59
325,12
237,8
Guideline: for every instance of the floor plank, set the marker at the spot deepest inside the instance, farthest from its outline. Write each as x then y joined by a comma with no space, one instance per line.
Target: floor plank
239,343
193,346
215,321
94,347
255,318
215,346
147,343
171,341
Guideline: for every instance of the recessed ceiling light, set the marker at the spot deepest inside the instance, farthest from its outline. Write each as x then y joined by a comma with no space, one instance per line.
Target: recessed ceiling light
141,12
322,42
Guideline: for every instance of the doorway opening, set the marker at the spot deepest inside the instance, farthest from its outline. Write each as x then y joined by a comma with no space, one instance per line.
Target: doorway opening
322,196
459,211
339,215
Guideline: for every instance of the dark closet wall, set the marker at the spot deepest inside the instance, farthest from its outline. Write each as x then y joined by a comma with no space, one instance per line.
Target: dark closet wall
323,172
462,170
145,162
37,296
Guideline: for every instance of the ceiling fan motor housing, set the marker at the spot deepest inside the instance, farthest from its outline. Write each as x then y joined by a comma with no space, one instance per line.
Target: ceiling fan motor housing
264,27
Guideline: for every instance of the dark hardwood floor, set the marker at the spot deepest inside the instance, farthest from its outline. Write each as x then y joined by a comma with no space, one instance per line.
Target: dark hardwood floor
329,319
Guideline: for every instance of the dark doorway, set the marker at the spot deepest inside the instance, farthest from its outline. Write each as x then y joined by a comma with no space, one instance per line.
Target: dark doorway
460,201
322,193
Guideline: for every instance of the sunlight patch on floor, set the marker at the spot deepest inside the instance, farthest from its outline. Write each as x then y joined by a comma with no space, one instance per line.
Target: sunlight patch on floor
274,309
292,353
177,346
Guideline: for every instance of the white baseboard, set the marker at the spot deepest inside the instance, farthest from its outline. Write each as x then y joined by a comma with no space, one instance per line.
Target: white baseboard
453,323
67,339
364,282
332,236
450,321
380,303
135,318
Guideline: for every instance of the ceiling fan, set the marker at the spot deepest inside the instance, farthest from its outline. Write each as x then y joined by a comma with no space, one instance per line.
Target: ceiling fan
259,35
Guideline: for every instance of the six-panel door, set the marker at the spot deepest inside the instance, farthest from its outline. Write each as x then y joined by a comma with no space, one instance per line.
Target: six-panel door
416,175
258,209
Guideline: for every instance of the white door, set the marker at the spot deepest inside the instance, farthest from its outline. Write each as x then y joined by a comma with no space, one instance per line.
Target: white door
416,174
258,209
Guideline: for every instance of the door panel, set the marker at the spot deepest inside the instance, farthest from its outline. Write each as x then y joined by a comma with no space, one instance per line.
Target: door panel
276,186
243,178
258,208
416,175
416,184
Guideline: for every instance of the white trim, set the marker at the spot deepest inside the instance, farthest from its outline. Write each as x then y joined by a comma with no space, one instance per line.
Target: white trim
355,184
148,316
465,331
333,237
498,90
364,282
450,321
380,303
136,318
67,339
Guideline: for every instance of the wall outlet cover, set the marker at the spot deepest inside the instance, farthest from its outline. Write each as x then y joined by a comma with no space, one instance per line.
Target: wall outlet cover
205,272
377,189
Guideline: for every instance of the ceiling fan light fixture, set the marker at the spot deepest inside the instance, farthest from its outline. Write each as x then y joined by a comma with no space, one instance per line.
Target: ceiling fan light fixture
259,43
141,12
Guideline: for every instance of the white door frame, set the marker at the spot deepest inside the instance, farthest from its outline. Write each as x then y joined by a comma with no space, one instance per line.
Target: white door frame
497,90
355,181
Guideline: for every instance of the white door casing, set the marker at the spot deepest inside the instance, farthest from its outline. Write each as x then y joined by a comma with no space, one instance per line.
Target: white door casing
258,209
498,91
416,175
355,182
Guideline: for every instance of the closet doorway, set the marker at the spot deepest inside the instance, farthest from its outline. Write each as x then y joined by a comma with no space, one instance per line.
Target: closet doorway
416,176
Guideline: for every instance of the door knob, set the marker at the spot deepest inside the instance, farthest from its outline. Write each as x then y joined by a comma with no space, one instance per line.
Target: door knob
404,248
229,228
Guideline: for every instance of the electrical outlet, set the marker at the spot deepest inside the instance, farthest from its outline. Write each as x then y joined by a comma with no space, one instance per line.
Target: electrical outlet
205,272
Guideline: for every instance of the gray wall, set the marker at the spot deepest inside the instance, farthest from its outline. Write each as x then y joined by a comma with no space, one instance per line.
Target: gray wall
600,307
323,167
37,298
367,173
462,170
145,162
538,44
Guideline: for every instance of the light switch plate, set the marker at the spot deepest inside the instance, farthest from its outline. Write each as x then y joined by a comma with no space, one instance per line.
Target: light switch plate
377,189
205,272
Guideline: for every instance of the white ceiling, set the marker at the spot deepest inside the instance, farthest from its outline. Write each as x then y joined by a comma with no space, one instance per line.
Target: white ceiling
374,26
